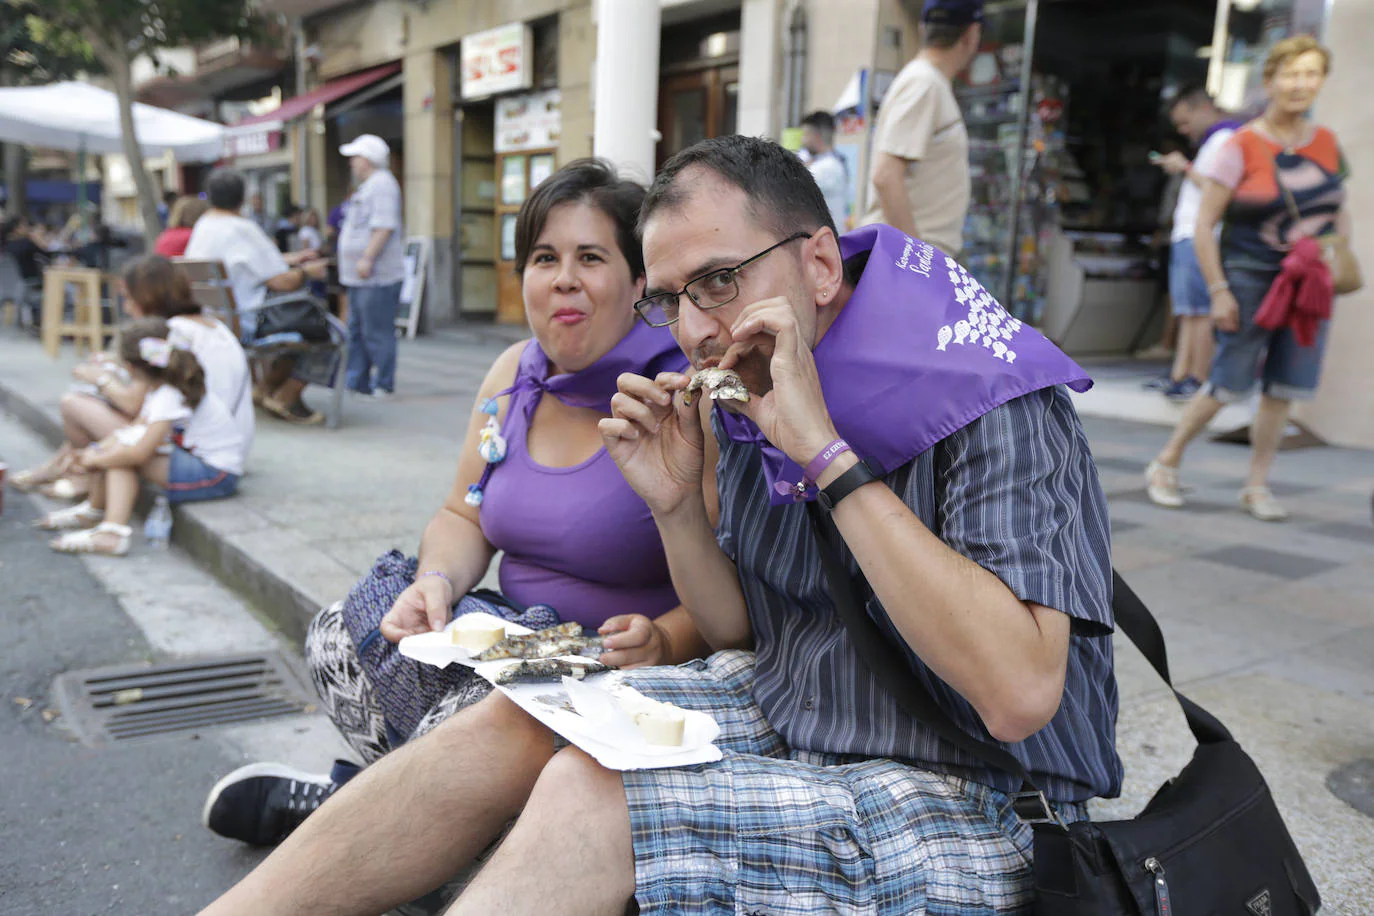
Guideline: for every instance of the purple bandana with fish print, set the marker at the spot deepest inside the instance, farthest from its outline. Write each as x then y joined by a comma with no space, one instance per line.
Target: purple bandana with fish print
919,351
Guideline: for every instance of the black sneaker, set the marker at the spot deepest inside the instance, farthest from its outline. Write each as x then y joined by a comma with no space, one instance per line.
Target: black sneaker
1159,383
260,804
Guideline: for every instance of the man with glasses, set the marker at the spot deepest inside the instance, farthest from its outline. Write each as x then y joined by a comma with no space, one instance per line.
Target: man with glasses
975,515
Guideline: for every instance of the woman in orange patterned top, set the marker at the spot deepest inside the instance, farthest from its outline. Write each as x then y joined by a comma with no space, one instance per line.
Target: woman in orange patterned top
1243,194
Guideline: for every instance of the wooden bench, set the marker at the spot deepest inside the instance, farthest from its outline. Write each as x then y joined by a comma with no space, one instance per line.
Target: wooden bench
212,291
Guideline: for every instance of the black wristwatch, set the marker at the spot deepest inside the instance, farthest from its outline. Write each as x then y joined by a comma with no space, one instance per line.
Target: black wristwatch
845,484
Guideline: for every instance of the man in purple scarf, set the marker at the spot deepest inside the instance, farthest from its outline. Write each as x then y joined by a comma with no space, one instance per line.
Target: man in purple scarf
1197,118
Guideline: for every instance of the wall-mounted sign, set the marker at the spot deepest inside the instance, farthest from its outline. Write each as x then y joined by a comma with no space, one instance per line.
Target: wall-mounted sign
250,143
531,121
497,60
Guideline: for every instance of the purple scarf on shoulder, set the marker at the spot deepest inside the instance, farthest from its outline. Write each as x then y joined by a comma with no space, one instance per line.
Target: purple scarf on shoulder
919,351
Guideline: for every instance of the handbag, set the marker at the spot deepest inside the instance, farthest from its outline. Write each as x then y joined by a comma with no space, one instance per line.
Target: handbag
1340,260
1210,842
298,312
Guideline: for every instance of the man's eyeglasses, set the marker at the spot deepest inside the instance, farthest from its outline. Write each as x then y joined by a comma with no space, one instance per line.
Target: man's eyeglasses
708,291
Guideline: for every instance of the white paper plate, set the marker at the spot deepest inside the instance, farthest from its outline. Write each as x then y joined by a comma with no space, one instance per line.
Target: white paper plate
606,733
437,648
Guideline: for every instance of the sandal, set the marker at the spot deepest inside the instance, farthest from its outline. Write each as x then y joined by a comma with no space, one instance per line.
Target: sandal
85,541
1161,485
1259,501
27,481
82,515
67,488
296,413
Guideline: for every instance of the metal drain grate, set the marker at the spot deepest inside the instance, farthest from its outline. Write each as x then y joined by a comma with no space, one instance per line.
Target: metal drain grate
132,701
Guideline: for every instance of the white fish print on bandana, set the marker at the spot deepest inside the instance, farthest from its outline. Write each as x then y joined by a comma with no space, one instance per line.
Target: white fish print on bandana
988,324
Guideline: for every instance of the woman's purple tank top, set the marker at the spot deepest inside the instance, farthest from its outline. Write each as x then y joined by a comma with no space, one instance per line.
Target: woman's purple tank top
576,538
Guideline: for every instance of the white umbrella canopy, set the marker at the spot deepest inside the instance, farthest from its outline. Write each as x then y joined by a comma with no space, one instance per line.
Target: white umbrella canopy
76,116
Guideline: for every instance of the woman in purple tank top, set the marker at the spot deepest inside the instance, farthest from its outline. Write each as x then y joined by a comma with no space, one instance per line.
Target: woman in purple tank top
573,535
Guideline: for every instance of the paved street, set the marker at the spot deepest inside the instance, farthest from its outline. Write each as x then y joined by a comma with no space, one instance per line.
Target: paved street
1269,626
116,829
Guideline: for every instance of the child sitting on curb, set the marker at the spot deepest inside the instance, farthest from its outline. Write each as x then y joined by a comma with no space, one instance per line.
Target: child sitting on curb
184,439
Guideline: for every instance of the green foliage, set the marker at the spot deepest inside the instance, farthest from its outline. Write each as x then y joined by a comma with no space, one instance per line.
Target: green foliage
32,52
127,28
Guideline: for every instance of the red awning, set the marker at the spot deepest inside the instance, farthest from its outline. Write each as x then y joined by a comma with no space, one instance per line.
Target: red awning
303,104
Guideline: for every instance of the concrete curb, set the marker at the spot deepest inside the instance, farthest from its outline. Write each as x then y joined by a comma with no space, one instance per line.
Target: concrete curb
284,606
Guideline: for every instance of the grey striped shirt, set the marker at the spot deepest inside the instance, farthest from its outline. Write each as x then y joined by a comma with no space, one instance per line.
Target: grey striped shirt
1016,491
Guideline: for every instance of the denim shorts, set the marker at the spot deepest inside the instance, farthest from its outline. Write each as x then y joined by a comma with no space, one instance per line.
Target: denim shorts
1187,286
1255,355
248,326
190,480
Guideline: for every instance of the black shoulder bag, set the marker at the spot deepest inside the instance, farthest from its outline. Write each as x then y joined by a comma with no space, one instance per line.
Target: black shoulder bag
295,312
1210,843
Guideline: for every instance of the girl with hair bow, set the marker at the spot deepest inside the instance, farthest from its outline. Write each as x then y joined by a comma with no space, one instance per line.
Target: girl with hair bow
184,439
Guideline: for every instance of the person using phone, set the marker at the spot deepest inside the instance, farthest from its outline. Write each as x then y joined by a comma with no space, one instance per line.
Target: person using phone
1197,118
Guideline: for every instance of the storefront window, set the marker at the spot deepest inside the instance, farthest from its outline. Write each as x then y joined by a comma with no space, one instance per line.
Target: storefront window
1252,28
989,95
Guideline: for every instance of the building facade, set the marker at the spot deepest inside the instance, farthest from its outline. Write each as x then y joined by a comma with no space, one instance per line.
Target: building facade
490,96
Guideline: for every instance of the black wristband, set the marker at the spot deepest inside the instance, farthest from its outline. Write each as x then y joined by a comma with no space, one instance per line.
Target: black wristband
845,484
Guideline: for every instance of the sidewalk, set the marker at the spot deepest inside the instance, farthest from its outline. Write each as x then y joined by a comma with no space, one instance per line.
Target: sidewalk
1269,626
316,506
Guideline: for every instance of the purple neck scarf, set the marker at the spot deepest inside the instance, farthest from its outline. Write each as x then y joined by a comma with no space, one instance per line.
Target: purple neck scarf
919,351
1223,124
643,351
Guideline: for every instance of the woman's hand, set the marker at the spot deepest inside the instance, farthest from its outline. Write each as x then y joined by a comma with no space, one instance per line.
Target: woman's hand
634,641
656,440
1225,311
89,372
91,458
424,607
793,415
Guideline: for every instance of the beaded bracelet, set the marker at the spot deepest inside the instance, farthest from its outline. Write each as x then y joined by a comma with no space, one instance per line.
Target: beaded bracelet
435,572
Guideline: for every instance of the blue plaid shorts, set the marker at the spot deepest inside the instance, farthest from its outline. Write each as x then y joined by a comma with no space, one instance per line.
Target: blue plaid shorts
774,830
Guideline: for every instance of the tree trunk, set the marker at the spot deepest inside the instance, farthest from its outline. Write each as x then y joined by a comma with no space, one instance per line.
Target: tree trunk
16,171
16,180
119,65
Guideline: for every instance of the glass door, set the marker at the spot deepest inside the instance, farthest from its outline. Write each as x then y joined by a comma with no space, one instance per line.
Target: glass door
991,97
696,105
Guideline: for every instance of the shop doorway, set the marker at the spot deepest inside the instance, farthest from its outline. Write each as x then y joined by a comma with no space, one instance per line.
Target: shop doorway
698,94
696,106
517,175
476,193
1064,103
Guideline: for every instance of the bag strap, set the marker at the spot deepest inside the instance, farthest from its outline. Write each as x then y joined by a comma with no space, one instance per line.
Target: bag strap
890,668
895,676
1289,200
1135,620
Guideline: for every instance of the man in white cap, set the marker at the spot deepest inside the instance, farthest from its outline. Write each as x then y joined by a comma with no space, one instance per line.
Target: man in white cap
371,266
